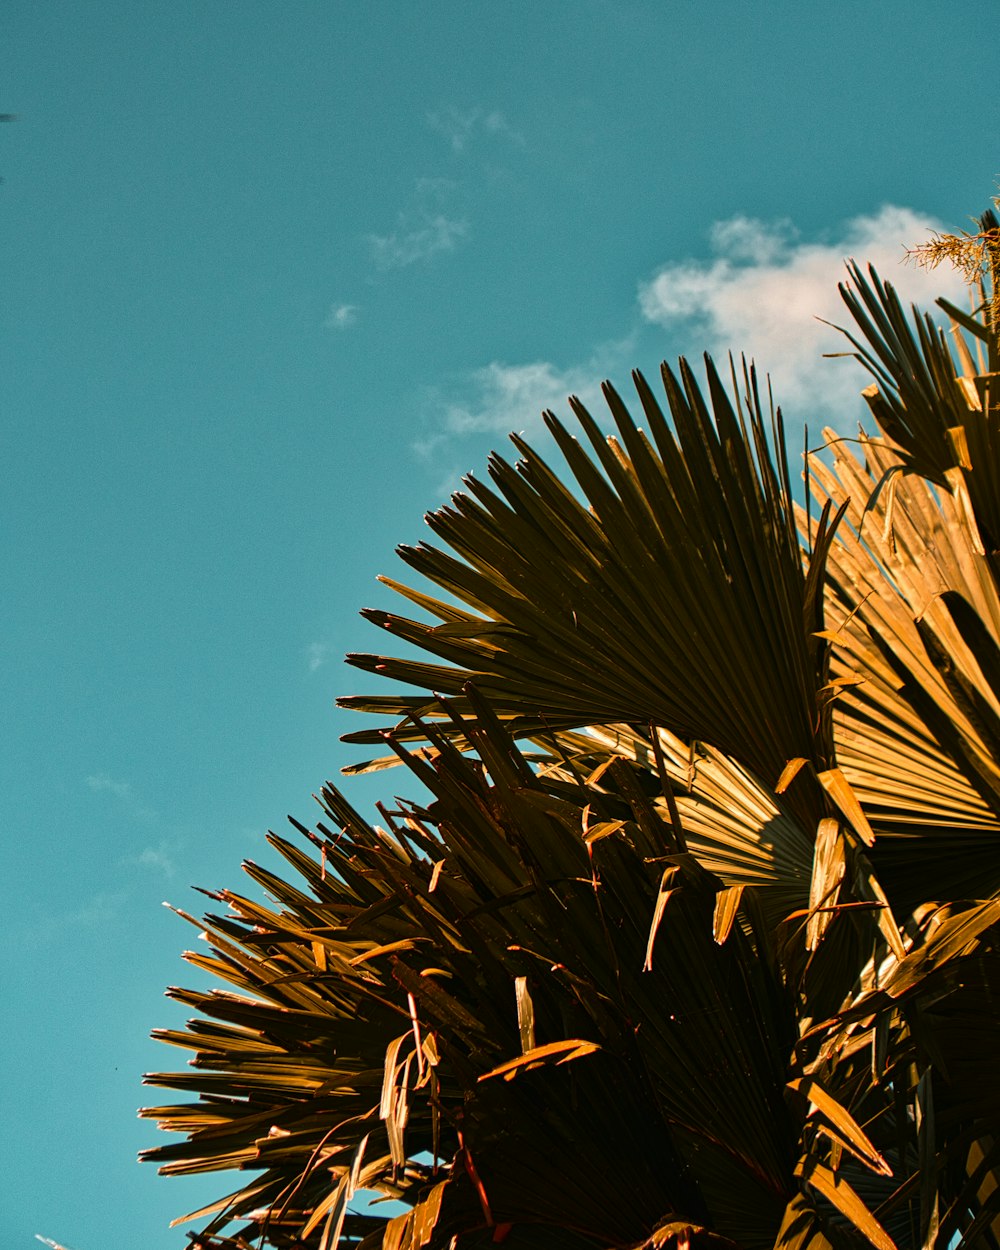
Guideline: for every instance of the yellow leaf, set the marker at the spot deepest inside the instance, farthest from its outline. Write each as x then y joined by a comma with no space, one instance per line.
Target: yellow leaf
839,789
557,1052
843,1197
789,773
727,904
603,830
842,1119
661,903
404,944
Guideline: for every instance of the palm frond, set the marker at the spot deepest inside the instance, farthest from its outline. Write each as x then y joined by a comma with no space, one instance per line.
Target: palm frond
915,618
940,415
695,940
678,597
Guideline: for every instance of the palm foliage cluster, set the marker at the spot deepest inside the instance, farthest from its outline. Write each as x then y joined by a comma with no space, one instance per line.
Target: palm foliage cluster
694,939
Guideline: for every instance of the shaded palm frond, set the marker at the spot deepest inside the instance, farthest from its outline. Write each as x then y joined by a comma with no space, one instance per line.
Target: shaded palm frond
478,991
678,597
919,1053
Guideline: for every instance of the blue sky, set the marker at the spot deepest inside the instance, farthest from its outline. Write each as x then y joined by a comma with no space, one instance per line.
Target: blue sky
275,276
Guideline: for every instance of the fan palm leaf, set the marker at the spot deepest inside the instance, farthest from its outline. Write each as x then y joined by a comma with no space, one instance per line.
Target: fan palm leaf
677,597
506,1019
695,939
914,614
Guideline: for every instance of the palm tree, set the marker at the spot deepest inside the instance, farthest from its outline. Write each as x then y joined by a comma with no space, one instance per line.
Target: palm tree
693,941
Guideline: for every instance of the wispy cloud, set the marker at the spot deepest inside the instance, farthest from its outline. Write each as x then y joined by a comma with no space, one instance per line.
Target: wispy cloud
460,127
123,791
495,123
764,287
102,781
157,858
341,317
418,236
317,654
424,228
501,399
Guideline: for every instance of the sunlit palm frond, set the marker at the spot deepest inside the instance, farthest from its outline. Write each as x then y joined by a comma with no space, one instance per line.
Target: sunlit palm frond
916,719
737,828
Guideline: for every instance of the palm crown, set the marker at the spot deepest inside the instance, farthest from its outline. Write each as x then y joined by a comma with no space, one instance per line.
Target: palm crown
693,940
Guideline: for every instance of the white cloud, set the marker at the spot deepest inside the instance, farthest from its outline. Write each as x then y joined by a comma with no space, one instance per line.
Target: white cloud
341,316
499,399
418,236
503,398
762,292
424,228
764,289
158,858
496,124
454,125
101,781
459,127
123,791
317,654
